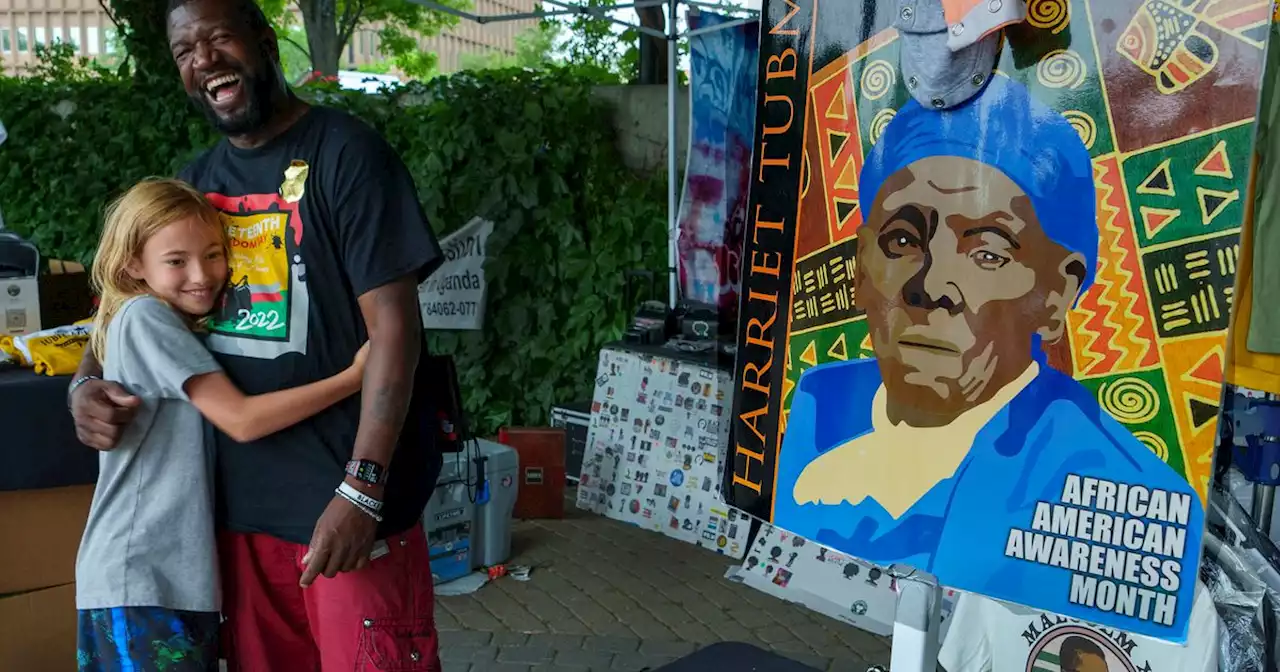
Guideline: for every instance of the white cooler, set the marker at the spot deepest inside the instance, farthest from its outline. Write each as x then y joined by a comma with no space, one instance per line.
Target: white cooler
491,541
468,523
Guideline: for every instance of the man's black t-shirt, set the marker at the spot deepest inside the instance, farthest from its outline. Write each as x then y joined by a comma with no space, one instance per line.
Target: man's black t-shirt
318,216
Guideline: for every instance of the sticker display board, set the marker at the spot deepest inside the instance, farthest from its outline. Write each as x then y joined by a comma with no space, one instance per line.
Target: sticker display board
794,569
987,341
656,449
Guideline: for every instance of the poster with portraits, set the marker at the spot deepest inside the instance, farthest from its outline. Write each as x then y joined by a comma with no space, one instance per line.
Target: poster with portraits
986,287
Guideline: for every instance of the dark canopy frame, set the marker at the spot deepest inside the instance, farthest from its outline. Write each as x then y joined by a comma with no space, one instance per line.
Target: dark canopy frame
673,37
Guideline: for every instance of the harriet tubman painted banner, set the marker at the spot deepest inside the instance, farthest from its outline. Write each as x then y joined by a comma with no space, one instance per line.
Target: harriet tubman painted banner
987,280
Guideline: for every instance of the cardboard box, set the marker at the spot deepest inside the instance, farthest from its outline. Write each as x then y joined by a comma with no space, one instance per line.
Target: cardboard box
65,295
38,630
41,530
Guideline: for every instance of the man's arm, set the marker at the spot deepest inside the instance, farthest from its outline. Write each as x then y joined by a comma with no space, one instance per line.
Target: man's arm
344,535
89,366
395,343
387,248
101,409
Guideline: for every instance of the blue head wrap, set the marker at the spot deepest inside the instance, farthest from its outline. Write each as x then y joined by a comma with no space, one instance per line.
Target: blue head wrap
1005,128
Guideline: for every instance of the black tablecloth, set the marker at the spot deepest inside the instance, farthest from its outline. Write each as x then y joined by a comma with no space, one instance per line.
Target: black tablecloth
712,358
735,657
38,445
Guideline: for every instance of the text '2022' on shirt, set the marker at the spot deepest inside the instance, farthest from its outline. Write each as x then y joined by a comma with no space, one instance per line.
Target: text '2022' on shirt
316,217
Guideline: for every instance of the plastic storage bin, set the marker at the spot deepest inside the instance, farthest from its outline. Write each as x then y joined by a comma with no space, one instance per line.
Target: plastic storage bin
491,541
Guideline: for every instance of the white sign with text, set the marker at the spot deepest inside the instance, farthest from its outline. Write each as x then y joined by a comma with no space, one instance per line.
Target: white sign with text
453,297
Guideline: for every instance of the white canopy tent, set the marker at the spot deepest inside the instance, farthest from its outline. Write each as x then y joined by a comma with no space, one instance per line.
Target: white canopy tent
673,36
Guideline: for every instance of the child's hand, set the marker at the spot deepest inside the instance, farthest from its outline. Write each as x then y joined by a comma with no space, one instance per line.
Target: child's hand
362,356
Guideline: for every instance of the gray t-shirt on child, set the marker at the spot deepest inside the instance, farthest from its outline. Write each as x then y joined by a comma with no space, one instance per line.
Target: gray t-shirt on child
149,541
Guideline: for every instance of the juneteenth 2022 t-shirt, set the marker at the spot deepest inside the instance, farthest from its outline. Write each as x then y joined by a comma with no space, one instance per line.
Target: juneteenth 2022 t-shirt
316,217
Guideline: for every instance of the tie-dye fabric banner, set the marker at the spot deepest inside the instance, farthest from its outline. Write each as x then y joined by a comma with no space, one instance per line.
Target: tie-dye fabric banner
713,211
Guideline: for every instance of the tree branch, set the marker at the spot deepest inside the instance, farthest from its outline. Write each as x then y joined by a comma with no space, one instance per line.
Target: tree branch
290,40
106,9
349,21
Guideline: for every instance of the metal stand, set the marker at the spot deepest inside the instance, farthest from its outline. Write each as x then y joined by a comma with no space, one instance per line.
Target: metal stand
4,135
917,622
1264,503
673,205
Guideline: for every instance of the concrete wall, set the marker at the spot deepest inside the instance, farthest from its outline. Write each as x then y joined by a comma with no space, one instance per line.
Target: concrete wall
640,116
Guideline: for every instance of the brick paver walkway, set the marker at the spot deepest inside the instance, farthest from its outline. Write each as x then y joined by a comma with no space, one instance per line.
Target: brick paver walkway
608,596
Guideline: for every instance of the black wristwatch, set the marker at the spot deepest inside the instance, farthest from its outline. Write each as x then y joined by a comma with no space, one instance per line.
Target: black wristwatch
366,471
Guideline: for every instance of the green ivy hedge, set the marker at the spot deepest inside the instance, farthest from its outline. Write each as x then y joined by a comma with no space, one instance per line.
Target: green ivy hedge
533,152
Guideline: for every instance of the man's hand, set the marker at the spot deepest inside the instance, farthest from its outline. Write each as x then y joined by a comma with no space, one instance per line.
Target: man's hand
344,535
102,410
342,542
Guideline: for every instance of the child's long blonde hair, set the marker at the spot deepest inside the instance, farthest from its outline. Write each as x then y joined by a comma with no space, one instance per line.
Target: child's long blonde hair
131,220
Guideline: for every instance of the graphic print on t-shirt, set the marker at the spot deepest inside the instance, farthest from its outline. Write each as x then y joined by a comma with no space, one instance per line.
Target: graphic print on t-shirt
266,305
1076,648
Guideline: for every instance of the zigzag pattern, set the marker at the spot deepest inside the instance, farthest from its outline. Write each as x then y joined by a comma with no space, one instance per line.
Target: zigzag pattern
1112,323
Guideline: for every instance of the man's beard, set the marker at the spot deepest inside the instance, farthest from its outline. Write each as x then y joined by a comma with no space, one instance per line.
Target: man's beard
255,112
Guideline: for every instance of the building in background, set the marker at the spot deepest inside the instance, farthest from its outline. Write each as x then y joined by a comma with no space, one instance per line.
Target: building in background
83,23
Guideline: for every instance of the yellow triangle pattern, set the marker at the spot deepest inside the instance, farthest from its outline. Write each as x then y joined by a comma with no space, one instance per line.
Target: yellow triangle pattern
848,177
1216,163
838,108
1159,182
1155,219
1224,198
865,345
840,349
810,354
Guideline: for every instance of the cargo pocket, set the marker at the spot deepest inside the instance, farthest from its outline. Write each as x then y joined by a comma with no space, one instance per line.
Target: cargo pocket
396,645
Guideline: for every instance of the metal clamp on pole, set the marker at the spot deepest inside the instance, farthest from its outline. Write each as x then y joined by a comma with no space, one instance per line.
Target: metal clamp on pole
4,135
917,622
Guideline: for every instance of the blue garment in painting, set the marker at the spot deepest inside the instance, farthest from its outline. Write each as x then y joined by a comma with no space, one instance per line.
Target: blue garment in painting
959,529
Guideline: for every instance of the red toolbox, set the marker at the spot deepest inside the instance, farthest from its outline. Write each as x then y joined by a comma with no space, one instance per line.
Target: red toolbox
542,453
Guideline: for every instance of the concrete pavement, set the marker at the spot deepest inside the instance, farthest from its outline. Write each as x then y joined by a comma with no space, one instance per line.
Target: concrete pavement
608,596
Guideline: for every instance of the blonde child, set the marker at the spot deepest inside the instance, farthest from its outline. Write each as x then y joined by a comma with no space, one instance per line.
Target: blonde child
147,587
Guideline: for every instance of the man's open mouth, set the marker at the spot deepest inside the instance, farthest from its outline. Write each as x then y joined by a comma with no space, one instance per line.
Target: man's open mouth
223,88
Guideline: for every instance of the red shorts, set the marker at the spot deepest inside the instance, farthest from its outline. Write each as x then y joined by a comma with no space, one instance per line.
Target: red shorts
378,618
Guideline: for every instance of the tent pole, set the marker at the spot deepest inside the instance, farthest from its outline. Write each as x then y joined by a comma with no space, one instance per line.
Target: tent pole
673,230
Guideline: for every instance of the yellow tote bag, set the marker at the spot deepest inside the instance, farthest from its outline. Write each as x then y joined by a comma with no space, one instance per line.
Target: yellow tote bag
53,352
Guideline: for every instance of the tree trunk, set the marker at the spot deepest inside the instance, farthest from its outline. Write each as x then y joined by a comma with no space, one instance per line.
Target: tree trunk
320,18
143,30
653,51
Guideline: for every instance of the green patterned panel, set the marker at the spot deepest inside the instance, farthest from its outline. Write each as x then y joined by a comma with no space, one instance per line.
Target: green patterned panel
1191,188
1058,64
881,91
825,345
1140,402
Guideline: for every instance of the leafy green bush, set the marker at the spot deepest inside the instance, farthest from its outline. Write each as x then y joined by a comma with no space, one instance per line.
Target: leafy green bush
533,152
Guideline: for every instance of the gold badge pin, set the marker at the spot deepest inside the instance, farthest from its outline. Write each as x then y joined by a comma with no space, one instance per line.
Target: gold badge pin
295,181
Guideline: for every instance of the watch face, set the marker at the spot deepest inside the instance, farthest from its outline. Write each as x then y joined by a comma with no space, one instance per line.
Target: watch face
365,470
